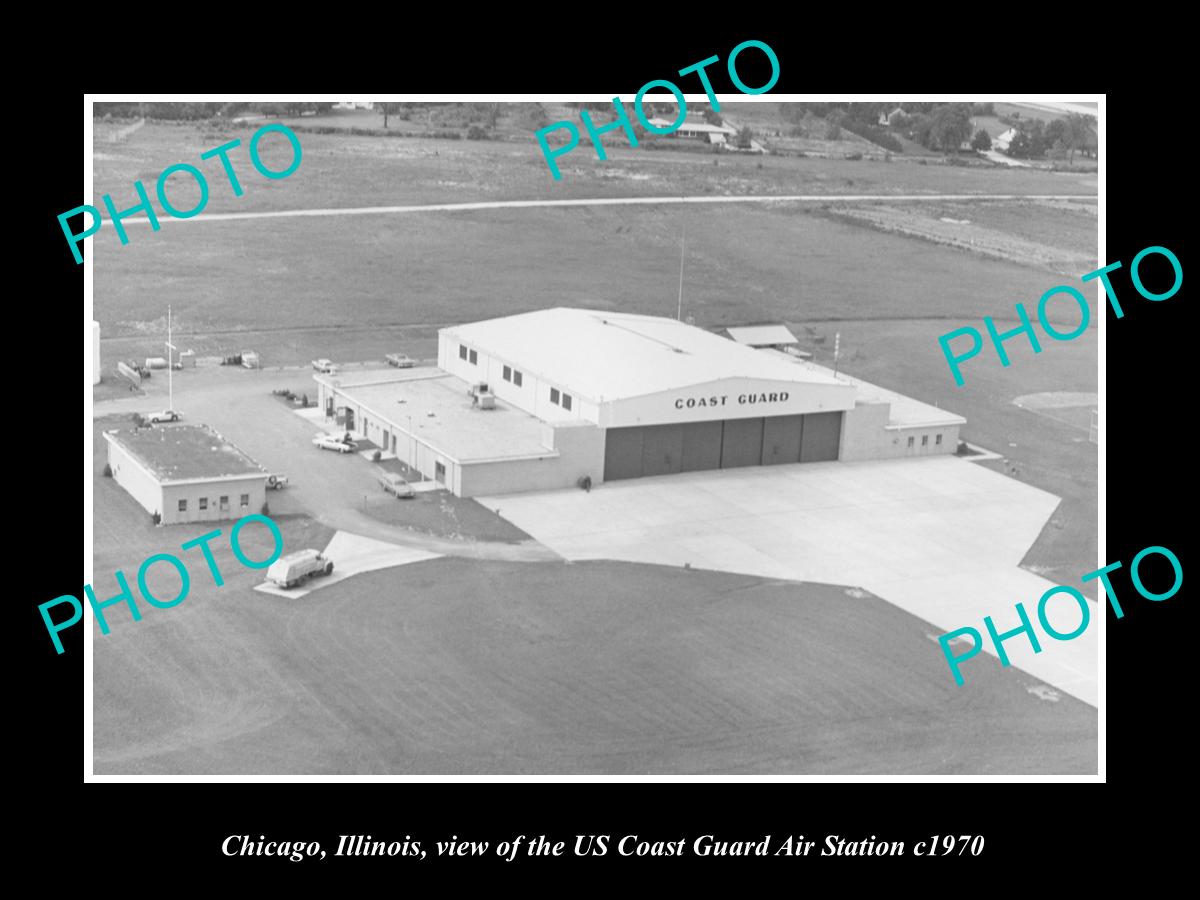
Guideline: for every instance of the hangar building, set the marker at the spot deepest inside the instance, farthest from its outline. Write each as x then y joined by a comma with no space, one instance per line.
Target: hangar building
186,473
616,395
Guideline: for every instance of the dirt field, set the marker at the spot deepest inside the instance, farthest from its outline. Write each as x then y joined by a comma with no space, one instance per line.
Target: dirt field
1055,235
454,667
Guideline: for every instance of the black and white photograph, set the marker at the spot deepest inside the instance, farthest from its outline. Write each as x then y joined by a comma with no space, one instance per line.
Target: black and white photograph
692,435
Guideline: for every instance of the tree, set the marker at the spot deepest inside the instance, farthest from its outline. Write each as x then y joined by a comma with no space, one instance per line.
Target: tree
387,109
950,127
712,117
1078,134
743,138
982,141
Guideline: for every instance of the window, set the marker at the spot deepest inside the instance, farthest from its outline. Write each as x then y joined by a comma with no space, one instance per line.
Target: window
439,472
183,506
245,499
516,378
554,395
474,357
910,442
924,440
938,439
507,374
566,401
462,351
204,503
225,502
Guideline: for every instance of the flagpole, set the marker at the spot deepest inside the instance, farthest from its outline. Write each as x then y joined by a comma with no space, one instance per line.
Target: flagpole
170,367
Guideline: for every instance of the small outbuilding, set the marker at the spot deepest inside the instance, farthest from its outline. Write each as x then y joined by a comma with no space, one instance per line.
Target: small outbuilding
186,473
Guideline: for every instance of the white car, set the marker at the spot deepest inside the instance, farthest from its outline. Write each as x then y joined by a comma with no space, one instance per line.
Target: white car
324,366
400,361
340,443
167,415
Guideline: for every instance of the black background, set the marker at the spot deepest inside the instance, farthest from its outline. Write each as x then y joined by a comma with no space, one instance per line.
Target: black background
165,829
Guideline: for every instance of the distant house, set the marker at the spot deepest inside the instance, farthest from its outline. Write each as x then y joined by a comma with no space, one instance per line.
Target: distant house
889,119
714,134
1002,142
354,104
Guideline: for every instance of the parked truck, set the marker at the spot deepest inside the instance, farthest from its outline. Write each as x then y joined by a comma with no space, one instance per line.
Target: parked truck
296,568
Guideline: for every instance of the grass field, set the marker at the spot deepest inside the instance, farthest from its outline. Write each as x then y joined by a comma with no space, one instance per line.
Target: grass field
454,667
743,263
350,170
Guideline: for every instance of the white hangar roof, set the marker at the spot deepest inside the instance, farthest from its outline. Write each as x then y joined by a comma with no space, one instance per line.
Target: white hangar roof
605,356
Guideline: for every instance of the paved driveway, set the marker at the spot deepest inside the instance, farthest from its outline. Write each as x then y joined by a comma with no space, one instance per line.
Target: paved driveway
941,538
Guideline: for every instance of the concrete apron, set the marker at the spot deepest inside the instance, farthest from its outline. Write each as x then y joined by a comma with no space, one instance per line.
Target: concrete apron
940,538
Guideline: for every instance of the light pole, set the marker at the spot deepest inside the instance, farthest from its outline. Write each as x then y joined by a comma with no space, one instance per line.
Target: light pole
412,444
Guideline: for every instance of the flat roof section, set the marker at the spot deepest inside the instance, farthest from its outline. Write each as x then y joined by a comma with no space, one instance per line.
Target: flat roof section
761,335
905,411
443,418
605,356
185,452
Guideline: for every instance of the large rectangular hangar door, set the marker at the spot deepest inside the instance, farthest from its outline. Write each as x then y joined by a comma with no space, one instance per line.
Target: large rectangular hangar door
781,439
622,453
701,446
662,449
822,436
742,444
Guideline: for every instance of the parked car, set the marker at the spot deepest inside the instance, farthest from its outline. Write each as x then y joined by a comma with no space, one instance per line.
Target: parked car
400,361
324,366
166,415
276,482
395,484
289,571
334,442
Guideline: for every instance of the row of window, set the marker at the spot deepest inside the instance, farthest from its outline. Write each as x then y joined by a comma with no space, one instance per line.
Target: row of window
925,440
224,503
558,398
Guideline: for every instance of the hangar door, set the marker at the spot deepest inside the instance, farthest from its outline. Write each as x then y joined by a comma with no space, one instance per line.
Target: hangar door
696,446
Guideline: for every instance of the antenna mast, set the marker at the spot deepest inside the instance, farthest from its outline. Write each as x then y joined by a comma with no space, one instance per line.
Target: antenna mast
682,241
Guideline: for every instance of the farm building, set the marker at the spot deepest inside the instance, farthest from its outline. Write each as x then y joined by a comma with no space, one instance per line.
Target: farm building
186,473
715,134
583,393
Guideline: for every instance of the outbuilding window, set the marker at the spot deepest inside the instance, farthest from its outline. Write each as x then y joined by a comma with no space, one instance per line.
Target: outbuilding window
924,440
566,401
183,506
204,503
554,396
910,440
516,378
938,439
225,502
462,351
245,499
507,373
474,357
